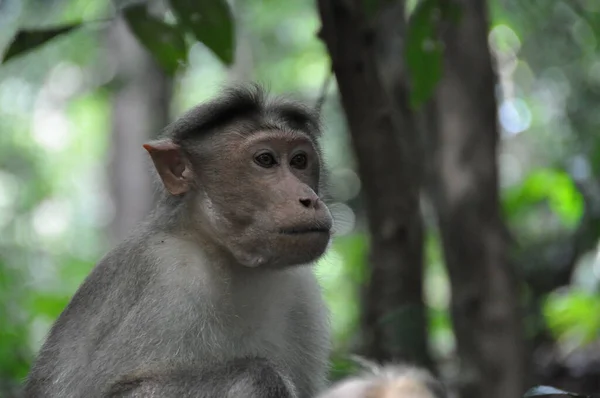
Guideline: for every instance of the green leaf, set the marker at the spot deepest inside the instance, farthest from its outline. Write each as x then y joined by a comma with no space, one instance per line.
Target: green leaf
211,22
423,53
165,42
439,320
556,187
542,391
573,316
27,40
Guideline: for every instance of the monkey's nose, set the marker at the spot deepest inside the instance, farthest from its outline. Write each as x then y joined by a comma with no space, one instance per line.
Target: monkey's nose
308,198
310,202
307,202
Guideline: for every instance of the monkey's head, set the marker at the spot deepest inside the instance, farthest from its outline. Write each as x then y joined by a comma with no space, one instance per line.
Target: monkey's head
248,173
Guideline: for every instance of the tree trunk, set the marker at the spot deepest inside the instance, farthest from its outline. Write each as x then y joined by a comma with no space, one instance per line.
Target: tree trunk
141,102
463,142
394,317
243,61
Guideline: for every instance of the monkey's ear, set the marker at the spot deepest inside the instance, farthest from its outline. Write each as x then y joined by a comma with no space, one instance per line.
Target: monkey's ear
171,165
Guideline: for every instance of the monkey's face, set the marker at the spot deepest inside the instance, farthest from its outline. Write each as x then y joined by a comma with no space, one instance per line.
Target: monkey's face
260,195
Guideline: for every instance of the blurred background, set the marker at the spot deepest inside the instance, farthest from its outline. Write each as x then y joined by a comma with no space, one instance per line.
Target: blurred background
467,233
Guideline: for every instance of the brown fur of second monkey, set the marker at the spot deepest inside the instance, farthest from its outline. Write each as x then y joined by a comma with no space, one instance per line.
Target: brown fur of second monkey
214,295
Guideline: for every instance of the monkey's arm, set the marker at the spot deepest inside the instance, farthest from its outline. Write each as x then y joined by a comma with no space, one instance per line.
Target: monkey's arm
241,378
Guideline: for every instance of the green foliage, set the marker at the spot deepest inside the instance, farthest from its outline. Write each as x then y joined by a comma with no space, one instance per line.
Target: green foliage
437,297
354,249
424,53
27,40
164,42
286,51
14,364
441,336
554,186
573,316
49,305
340,274
342,367
211,23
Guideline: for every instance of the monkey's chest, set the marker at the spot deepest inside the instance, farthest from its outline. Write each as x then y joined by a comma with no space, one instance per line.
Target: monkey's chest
284,340
294,336
280,333
258,329
274,319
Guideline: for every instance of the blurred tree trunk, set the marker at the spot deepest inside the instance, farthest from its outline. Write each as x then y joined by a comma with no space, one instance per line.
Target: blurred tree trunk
243,61
140,110
394,317
462,147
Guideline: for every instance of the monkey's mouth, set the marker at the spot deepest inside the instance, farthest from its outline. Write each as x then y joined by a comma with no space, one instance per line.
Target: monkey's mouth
304,230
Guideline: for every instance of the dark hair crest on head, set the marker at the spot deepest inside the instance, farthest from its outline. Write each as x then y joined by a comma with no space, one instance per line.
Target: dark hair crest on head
250,103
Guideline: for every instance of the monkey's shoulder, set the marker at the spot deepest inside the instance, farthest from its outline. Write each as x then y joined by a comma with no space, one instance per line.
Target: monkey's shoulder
91,318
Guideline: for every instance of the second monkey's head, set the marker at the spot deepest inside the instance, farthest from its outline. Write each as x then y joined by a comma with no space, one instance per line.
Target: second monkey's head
246,172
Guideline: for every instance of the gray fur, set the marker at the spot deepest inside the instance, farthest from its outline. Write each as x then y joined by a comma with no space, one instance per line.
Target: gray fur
168,313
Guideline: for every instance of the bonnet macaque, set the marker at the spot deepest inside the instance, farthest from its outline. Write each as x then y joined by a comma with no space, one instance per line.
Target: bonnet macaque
214,294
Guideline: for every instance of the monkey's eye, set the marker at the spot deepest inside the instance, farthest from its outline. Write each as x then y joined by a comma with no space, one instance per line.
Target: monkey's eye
265,160
299,161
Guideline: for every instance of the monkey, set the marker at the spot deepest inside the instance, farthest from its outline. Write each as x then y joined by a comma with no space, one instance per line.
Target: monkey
213,294
389,381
